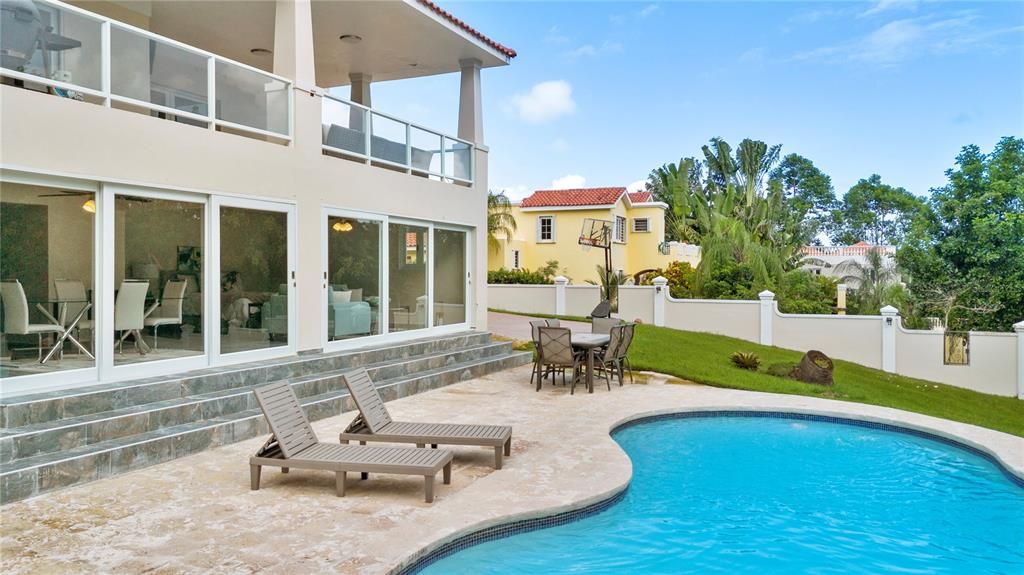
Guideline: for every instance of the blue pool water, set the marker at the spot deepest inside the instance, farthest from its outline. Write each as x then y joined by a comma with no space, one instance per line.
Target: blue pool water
767,495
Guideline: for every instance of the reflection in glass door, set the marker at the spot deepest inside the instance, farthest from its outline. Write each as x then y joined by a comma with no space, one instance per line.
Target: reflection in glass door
353,277
158,278
449,277
407,276
254,282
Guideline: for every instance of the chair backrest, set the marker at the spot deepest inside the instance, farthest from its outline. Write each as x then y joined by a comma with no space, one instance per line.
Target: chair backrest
616,339
534,326
604,324
15,307
553,323
556,346
72,292
129,307
367,399
287,421
172,298
627,340
603,309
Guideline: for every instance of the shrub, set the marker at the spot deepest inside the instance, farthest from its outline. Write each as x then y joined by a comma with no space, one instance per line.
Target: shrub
746,360
804,292
681,279
781,369
544,275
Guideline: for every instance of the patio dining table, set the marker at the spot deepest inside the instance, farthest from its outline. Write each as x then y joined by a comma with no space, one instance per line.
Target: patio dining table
589,342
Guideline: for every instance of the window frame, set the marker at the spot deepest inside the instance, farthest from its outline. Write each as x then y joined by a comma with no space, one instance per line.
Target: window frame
619,230
647,225
551,229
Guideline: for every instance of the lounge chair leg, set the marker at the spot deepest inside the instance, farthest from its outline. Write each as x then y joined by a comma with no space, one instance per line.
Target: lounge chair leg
420,445
497,456
433,446
254,476
428,488
362,443
447,473
284,470
364,476
339,483
508,447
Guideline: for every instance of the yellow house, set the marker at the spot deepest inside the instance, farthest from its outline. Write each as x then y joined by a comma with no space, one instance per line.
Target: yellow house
549,223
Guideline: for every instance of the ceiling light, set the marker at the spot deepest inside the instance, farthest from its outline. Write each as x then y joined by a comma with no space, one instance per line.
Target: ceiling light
89,206
342,226
350,38
260,52
413,64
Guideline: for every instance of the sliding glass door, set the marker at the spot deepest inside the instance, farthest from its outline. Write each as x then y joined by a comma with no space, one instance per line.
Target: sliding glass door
408,269
451,276
353,278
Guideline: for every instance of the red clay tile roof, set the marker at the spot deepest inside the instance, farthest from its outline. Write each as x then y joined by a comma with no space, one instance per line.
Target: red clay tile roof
472,31
640,197
573,197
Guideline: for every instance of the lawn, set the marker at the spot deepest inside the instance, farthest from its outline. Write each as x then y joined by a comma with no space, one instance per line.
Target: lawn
704,358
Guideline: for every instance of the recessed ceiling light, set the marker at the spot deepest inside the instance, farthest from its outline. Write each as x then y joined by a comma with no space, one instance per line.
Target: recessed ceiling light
413,64
260,52
350,38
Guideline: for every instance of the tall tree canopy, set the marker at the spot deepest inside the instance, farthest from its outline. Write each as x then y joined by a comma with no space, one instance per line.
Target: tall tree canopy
876,213
808,193
965,256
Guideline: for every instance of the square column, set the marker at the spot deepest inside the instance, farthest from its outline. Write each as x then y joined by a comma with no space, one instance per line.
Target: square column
471,123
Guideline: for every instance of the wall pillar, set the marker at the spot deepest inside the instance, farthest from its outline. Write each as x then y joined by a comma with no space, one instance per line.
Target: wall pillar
660,295
293,42
767,315
471,124
560,283
841,299
890,319
1019,328
359,92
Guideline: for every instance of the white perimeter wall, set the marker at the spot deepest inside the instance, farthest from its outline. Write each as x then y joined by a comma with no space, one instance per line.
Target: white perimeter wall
993,356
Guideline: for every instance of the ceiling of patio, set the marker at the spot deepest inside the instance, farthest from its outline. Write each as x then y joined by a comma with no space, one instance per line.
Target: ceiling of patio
399,39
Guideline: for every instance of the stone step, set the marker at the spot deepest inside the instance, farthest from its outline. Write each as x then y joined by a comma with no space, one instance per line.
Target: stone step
51,406
64,434
40,474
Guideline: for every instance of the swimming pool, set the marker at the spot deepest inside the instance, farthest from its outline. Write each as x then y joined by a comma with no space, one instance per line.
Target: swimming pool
778,495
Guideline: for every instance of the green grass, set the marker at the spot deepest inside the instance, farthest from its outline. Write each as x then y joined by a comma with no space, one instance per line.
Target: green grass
704,358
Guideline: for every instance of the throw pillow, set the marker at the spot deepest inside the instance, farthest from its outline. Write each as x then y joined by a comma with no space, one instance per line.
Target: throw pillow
342,296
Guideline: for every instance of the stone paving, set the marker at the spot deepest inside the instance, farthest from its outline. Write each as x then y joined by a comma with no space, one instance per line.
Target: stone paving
197,514
517,327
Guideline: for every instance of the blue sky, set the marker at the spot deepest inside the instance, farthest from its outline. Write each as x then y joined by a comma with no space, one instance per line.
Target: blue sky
601,93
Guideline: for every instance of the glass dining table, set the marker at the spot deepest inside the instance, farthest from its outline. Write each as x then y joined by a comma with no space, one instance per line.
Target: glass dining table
45,306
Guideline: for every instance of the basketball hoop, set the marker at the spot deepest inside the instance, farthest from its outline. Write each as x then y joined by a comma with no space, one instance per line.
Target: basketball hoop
596,233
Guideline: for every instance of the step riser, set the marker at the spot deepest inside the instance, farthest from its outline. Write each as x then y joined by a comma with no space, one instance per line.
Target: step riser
26,483
67,437
218,379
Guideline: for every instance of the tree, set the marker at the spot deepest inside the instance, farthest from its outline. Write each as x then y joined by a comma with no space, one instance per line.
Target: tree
876,213
501,224
875,281
808,194
965,256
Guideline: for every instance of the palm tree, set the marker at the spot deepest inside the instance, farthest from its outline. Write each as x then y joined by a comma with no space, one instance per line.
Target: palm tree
876,280
501,224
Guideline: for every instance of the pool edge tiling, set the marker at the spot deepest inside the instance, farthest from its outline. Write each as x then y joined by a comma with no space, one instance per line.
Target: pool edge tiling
514,526
197,514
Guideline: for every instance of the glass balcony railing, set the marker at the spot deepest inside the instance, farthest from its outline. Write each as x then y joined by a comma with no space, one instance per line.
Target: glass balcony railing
78,54
356,131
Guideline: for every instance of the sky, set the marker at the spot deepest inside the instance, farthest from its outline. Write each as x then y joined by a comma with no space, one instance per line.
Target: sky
601,93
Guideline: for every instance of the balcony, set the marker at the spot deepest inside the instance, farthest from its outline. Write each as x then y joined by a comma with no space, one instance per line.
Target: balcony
363,134
62,50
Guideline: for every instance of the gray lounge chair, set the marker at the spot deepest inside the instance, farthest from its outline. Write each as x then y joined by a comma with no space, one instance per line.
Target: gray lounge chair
374,423
294,444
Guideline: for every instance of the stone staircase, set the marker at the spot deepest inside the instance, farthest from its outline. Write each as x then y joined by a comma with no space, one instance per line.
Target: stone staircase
53,440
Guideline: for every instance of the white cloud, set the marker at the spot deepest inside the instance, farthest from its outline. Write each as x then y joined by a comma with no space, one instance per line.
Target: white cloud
555,36
568,182
545,101
887,5
647,10
590,50
637,186
514,193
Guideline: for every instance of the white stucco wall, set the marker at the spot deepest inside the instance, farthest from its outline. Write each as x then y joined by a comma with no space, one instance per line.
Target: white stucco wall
522,298
733,318
636,303
852,338
992,360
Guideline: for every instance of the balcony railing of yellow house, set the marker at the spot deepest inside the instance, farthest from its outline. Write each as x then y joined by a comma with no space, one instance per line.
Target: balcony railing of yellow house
355,131
75,53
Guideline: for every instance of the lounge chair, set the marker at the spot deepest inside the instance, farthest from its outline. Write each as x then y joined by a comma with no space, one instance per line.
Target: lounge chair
294,444
375,424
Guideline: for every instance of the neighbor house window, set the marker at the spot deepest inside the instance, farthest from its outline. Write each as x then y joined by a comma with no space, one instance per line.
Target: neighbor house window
620,229
515,259
641,225
546,228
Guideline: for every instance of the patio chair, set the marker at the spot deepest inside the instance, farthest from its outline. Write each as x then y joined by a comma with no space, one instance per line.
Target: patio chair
623,351
604,324
294,444
553,322
557,353
603,309
610,360
535,337
374,423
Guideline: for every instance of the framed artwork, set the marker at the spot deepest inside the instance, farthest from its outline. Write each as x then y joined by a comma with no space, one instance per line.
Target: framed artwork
190,260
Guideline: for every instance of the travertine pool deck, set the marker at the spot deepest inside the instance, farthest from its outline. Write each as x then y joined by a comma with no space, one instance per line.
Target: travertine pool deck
197,514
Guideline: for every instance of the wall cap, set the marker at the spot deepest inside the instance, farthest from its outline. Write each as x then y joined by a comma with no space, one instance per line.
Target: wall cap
766,295
1019,327
889,310
662,281
561,280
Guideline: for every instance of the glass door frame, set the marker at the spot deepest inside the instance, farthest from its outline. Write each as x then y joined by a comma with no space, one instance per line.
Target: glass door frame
467,274
105,296
214,303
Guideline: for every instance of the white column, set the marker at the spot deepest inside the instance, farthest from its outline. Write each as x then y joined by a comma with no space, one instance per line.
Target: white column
293,42
359,92
841,299
1019,328
471,123
660,295
767,314
560,283
890,319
